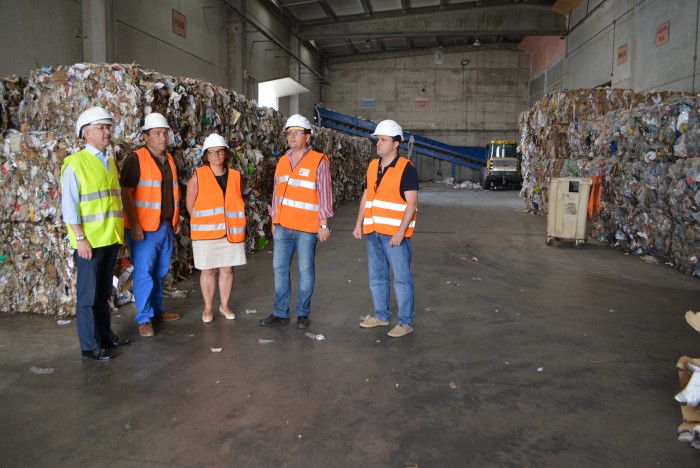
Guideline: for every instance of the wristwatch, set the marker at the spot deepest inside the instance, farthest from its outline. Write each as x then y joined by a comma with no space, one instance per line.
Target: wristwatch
80,237
324,226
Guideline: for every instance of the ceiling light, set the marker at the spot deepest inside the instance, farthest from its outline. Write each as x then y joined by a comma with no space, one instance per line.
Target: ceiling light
465,62
477,42
368,43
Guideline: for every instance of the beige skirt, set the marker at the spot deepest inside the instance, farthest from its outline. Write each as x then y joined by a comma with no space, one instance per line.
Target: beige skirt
217,253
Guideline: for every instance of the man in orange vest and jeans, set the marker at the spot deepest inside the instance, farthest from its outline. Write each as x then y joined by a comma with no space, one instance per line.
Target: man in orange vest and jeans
302,203
387,216
151,197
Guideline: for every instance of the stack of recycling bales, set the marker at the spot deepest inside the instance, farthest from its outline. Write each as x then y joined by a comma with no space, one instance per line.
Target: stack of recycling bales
646,148
37,273
11,87
36,268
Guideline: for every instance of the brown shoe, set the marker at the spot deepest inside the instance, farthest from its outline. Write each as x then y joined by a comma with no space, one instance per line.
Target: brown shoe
146,329
167,317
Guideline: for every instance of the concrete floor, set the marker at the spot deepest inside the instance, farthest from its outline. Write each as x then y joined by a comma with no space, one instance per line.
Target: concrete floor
532,356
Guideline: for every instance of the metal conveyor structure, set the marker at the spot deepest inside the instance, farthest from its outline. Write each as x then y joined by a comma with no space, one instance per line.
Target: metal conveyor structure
473,157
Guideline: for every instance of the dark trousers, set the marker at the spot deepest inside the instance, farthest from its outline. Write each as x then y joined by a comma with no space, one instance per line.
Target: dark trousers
93,290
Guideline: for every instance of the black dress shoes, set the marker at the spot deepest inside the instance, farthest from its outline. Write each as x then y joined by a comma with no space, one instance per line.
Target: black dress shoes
303,322
97,355
272,318
115,342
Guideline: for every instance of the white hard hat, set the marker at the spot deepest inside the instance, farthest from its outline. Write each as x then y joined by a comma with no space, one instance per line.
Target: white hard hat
388,128
298,120
154,120
93,115
214,140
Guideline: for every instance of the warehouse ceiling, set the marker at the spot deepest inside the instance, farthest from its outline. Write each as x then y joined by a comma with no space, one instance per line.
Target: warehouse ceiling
339,29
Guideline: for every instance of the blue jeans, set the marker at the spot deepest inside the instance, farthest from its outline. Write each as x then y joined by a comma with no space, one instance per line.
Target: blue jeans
93,290
288,241
151,260
380,257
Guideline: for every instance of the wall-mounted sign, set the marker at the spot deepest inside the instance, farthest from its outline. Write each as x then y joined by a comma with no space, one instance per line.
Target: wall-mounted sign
369,104
663,31
622,54
422,103
179,24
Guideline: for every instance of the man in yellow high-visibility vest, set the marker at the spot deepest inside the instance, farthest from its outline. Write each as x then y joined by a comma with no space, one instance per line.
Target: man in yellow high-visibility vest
92,211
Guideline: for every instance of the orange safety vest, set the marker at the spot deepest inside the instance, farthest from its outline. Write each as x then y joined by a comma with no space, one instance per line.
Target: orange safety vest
147,194
216,214
595,196
297,193
384,208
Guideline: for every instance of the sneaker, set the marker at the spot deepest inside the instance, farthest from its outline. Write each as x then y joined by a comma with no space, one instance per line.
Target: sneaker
167,317
371,322
146,329
400,330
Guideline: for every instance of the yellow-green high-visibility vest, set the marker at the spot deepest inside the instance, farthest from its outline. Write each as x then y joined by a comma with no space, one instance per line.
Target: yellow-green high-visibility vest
100,205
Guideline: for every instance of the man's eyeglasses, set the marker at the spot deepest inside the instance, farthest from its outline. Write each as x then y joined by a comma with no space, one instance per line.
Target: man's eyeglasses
295,133
221,152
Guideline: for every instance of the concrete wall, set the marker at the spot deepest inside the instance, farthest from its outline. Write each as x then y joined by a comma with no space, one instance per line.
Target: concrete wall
548,64
593,44
36,33
144,35
460,105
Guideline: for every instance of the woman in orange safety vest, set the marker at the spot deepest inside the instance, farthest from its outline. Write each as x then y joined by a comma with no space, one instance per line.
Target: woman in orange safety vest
217,224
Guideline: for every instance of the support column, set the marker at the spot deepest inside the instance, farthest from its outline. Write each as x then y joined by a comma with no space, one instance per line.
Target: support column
237,56
95,32
294,72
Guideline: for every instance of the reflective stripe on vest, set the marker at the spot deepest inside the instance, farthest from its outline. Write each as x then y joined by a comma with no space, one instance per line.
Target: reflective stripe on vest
215,214
301,183
144,204
300,205
147,194
102,216
100,194
100,204
297,192
384,209
212,212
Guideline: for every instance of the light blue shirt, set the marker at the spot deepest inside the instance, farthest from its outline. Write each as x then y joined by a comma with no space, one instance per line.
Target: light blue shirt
70,188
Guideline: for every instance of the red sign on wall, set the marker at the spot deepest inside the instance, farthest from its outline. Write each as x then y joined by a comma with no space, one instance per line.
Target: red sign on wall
663,31
179,24
622,54
422,103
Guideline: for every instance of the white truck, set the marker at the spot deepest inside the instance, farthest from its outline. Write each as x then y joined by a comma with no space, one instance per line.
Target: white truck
502,165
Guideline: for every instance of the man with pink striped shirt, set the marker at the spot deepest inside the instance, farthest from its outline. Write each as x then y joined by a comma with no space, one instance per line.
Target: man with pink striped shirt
302,204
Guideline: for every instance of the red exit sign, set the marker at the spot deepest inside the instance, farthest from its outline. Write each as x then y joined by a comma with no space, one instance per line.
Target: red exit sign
179,24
